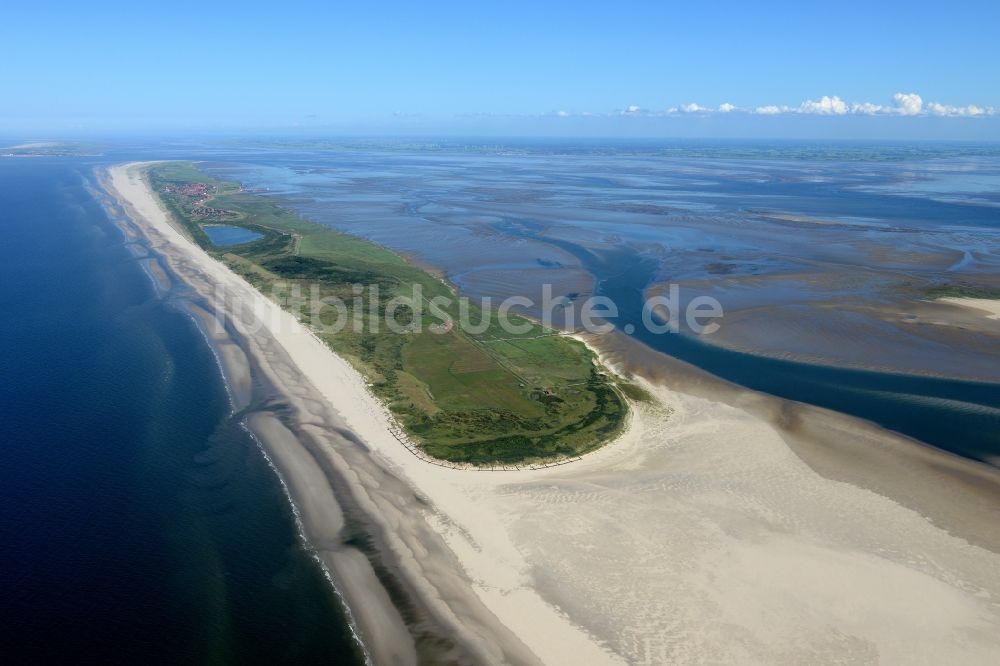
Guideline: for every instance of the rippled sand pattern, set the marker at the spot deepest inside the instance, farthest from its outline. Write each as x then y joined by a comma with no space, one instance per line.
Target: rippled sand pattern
703,539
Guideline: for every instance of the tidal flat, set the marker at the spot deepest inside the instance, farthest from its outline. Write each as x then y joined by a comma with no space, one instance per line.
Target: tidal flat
829,265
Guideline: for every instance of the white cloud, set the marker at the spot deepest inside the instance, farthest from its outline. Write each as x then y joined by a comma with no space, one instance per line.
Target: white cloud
562,114
693,108
970,110
826,106
905,104
869,109
908,104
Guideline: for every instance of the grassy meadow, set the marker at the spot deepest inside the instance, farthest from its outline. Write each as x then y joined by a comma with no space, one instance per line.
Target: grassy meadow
480,398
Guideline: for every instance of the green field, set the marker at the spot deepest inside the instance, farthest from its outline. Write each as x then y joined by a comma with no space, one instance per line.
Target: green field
490,397
959,290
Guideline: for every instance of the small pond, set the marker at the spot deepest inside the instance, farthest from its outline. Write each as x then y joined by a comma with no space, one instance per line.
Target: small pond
223,234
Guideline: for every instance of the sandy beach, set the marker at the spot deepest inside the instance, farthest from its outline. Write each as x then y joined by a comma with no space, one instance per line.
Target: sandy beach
723,527
989,307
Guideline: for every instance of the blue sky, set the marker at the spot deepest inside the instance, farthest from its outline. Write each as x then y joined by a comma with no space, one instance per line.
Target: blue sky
602,69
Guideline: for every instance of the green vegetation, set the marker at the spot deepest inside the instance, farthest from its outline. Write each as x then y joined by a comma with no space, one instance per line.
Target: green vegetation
634,393
489,397
961,290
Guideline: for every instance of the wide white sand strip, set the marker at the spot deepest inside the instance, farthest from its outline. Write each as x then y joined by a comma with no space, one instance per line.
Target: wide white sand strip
341,425
699,537
988,306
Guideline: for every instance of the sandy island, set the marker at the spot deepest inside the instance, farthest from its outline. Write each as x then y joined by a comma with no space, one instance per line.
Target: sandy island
701,536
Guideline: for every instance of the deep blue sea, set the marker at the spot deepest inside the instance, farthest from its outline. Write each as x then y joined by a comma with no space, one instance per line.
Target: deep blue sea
138,522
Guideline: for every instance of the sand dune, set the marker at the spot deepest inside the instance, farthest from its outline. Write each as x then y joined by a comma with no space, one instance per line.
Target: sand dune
699,537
